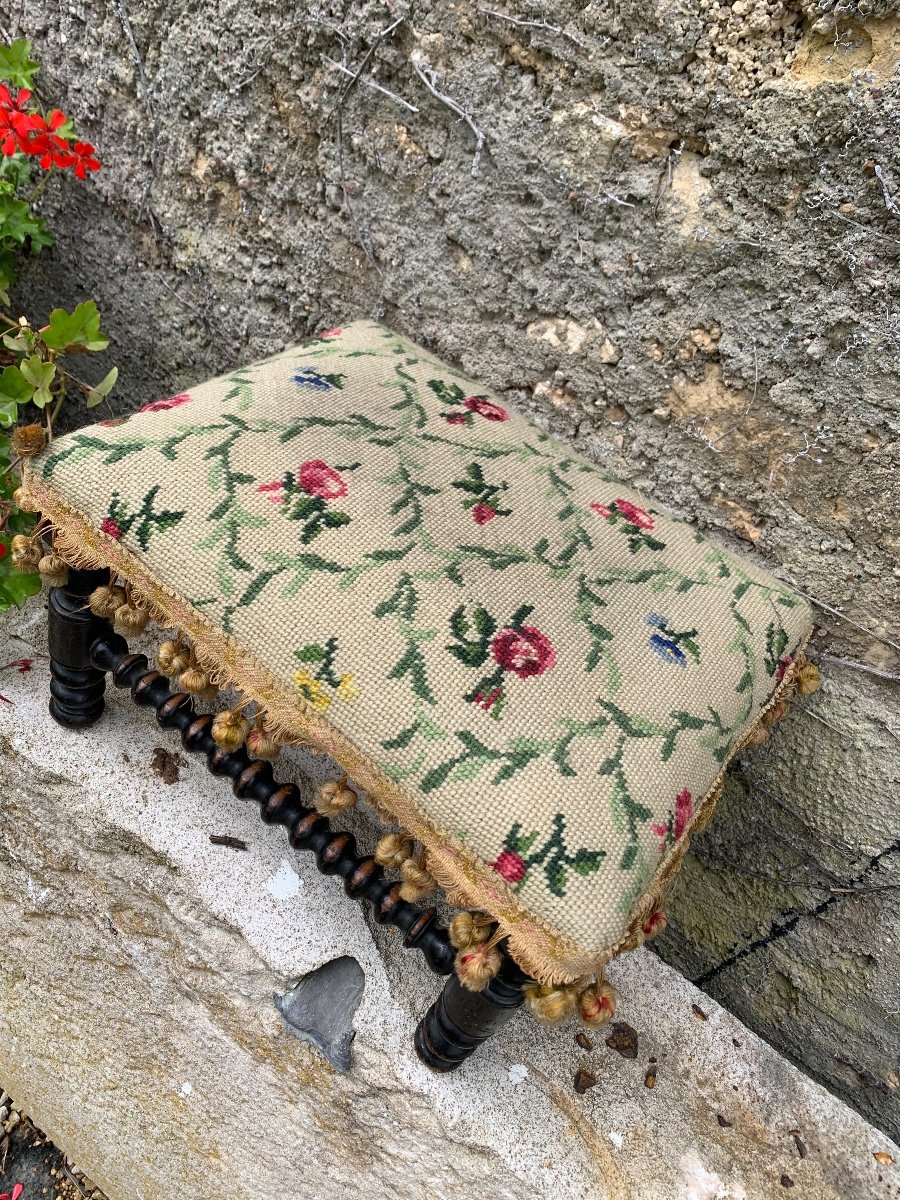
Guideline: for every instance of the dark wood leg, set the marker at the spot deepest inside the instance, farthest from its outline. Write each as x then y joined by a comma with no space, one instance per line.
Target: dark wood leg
460,1020
76,685
280,804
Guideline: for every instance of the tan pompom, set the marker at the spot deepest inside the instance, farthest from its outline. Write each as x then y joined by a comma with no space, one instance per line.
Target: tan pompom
24,553
28,440
654,924
759,735
172,658
468,929
54,572
550,1004
394,849
806,678
477,965
104,601
775,713
130,619
596,1004
334,796
229,729
261,744
22,500
195,681
418,882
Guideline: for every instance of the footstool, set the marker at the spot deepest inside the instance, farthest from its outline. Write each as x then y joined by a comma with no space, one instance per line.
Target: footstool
535,676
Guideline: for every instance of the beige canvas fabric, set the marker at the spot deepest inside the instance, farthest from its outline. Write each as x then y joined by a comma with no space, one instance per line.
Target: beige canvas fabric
528,664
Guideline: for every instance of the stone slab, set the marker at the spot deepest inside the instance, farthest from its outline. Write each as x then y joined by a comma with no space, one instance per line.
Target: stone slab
137,1023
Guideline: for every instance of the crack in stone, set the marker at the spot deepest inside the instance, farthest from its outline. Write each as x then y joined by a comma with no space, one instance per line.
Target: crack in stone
781,928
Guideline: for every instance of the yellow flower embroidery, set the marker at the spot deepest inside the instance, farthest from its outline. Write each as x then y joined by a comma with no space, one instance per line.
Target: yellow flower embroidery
347,689
311,690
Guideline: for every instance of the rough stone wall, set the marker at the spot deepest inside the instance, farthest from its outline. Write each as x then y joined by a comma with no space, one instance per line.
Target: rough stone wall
679,249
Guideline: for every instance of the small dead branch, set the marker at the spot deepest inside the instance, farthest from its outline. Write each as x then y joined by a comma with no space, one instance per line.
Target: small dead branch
890,676
836,612
148,103
889,201
429,77
370,83
339,103
542,25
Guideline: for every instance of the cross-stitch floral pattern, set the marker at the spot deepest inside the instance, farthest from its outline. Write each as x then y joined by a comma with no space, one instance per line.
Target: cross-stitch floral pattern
542,672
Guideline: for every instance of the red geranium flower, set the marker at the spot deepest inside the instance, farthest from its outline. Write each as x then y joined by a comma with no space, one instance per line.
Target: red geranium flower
165,404
483,513
634,515
42,140
17,1191
14,105
318,479
510,866
486,408
84,159
111,528
525,651
2,549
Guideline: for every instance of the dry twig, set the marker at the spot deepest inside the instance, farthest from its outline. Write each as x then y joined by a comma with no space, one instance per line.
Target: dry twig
428,77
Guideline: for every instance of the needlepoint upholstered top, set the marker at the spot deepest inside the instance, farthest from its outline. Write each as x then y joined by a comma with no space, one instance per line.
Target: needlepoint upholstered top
526,664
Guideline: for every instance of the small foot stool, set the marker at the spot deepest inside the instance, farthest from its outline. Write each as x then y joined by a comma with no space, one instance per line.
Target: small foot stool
536,678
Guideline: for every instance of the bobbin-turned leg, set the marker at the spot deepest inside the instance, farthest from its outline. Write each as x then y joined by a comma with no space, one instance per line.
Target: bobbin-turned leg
76,685
460,1020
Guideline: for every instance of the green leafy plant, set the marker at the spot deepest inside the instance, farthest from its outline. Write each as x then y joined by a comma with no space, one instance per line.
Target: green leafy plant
34,380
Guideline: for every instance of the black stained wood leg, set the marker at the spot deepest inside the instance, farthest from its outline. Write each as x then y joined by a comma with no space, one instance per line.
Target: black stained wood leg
460,1021
76,684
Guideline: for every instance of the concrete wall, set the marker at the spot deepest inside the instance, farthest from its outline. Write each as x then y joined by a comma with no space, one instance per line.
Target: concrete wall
679,250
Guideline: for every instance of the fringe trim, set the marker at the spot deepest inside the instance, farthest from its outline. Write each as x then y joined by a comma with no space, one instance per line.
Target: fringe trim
543,952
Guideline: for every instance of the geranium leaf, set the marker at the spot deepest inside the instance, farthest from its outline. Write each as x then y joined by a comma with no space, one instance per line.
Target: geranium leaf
99,393
15,65
14,386
81,327
40,375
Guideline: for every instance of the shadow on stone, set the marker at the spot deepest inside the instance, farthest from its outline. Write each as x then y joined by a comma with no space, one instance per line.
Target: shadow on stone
321,1006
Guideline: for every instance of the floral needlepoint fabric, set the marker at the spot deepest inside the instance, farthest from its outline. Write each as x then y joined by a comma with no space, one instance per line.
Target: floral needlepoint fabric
524,662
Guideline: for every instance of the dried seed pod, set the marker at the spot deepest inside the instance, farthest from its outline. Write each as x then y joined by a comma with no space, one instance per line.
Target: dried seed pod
54,571
477,965
172,658
468,929
596,1004
394,849
550,1003
775,713
25,554
130,619
28,440
22,500
230,728
758,736
105,601
418,882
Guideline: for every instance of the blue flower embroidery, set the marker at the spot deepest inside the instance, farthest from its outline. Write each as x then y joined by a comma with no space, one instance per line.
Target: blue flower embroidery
310,377
671,644
668,651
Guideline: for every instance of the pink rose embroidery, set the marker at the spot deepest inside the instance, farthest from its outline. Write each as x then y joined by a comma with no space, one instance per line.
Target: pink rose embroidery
274,491
165,404
330,333
601,510
672,830
524,651
782,667
634,515
483,513
510,865
456,418
486,408
110,528
318,479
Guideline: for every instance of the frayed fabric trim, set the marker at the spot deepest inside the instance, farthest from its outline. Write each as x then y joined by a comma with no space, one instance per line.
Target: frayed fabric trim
544,953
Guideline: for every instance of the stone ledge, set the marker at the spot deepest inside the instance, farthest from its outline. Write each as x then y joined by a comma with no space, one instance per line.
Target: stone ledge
137,1023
